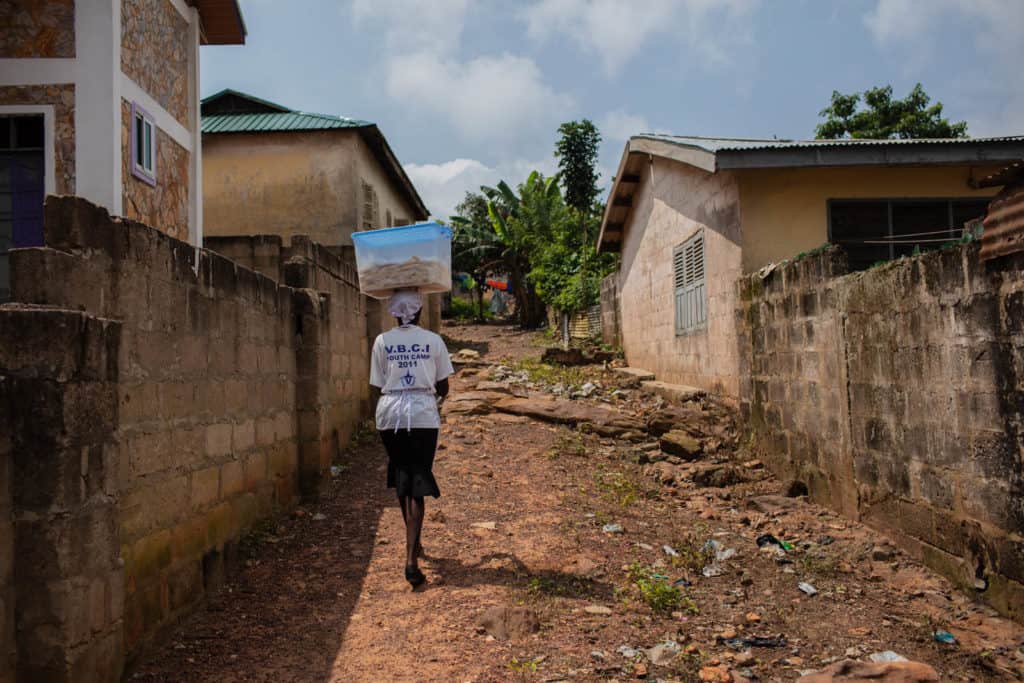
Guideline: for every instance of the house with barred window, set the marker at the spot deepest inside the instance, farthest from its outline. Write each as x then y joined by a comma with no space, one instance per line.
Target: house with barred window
691,215
272,170
101,100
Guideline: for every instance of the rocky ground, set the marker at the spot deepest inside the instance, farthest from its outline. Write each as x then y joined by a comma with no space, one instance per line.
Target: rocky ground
586,531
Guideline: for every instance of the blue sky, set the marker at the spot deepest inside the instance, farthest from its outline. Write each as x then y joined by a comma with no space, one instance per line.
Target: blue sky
469,93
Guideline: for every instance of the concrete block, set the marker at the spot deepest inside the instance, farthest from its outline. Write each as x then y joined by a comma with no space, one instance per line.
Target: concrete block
677,393
255,469
243,436
232,479
205,487
189,539
218,439
638,374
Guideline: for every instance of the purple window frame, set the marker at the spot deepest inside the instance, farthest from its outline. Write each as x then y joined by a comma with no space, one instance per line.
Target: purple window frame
137,170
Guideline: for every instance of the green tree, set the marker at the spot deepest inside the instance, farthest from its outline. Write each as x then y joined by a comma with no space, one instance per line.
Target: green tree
576,151
475,246
884,117
522,223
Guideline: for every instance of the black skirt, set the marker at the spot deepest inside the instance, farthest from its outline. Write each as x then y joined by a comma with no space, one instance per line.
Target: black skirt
411,461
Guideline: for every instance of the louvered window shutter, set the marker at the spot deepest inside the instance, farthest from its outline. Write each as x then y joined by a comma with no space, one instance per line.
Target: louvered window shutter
690,288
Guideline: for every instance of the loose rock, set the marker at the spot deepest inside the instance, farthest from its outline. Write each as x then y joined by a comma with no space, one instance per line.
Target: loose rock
849,671
505,623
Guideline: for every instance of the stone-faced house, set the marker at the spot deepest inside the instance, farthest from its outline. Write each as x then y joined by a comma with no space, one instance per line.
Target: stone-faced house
269,170
691,215
100,99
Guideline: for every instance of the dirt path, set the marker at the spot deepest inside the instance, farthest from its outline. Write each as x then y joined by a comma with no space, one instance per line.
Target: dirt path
324,599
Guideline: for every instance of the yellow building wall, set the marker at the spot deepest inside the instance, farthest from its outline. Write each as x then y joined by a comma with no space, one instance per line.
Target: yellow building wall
785,210
281,184
390,201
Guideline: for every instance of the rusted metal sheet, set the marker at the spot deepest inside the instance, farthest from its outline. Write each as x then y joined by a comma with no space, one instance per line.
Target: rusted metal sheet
1004,223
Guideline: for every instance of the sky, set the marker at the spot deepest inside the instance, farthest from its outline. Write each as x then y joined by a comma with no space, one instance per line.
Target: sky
470,93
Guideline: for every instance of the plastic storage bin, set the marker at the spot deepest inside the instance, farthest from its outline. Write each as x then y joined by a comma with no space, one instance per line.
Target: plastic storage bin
410,257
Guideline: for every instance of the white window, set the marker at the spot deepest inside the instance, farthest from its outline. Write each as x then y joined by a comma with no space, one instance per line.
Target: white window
143,145
690,289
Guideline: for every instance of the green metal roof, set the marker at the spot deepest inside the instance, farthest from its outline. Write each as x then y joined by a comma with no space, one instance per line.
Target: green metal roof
283,121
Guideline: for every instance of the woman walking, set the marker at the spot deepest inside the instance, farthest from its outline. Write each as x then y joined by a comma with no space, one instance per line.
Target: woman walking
410,366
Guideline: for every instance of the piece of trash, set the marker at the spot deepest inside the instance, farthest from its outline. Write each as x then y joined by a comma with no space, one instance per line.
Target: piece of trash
590,515
336,470
944,637
725,554
645,546
887,656
319,517
485,525
597,654
682,582
670,551
659,577
612,528
627,652
826,540
807,588
757,641
711,571
597,609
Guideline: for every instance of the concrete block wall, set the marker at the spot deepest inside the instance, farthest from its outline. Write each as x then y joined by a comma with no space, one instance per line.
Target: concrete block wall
673,203
61,578
895,394
233,392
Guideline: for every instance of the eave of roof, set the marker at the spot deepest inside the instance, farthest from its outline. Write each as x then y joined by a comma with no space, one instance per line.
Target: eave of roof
221,22
715,154
245,96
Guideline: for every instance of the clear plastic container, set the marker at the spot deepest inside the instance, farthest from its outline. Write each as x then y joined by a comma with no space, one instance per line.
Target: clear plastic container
410,257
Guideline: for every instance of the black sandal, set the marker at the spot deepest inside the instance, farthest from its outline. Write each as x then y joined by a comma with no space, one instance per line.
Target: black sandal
414,576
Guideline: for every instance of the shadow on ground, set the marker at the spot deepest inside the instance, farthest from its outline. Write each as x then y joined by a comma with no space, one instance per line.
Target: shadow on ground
284,617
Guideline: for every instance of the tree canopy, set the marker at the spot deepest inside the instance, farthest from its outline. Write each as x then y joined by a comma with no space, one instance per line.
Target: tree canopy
534,235
884,117
576,151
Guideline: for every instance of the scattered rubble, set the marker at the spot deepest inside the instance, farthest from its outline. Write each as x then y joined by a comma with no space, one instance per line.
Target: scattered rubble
505,623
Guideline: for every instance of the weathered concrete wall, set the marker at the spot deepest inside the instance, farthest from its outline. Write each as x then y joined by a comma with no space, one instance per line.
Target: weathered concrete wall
233,392
895,394
165,205
390,201
58,392
157,53
679,201
8,649
42,28
62,97
262,253
285,184
785,210
610,329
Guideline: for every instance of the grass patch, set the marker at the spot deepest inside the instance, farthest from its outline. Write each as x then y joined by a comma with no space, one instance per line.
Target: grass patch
560,586
656,592
817,563
522,666
694,551
572,377
568,443
616,487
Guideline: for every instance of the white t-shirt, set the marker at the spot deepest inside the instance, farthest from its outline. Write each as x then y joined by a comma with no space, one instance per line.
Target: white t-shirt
405,364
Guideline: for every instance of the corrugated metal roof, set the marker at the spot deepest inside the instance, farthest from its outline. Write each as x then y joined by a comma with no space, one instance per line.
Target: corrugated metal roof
281,121
714,145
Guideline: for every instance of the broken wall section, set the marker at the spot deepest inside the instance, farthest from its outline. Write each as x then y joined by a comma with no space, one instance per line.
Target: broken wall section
216,372
895,394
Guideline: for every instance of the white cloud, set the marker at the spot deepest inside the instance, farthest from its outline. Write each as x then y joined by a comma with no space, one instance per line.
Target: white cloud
413,25
500,99
994,26
444,185
615,31
620,125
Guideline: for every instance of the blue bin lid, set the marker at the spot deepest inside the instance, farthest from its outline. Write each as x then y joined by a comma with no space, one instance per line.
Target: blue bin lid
419,232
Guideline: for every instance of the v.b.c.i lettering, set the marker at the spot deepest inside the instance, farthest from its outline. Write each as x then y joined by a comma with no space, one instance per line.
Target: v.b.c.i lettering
401,348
